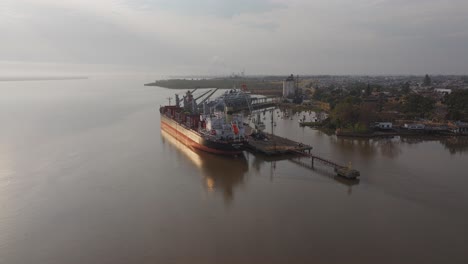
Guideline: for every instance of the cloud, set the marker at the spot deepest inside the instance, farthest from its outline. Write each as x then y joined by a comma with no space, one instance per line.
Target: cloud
217,8
272,37
269,26
218,61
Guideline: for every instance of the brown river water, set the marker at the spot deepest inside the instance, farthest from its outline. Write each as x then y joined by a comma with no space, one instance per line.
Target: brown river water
87,176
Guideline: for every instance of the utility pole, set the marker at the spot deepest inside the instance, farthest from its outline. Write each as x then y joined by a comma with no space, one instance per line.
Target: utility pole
272,126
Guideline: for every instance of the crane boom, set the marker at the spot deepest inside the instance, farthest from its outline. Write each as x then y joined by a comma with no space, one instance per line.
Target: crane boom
203,94
209,96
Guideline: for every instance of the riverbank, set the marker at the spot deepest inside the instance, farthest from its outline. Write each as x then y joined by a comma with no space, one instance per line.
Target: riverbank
397,132
328,128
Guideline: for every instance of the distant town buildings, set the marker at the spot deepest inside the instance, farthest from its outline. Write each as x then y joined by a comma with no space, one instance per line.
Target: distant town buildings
414,82
414,126
461,128
384,125
443,91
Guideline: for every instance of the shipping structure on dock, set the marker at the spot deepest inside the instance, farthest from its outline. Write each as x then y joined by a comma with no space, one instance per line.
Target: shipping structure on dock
270,144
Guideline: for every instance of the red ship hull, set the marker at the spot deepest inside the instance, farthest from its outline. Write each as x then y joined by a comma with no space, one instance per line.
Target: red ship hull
195,140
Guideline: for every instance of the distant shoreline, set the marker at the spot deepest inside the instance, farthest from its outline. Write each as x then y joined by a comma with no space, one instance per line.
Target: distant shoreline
255,85
19,79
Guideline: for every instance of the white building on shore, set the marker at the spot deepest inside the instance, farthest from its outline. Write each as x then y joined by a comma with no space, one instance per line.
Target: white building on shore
289,87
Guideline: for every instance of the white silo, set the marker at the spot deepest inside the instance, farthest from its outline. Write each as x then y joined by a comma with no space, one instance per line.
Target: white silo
289,88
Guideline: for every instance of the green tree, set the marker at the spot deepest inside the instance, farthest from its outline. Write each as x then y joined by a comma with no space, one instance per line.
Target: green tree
344,114
350,113
368,90
378,88
405,88
454,115
464,79
427,81
457,103
419,105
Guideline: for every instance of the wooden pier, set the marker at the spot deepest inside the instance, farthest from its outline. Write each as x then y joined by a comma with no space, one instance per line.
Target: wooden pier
305,163
344,171
272,145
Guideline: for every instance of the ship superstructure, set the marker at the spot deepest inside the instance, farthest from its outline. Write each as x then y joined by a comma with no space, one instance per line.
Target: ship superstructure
232,99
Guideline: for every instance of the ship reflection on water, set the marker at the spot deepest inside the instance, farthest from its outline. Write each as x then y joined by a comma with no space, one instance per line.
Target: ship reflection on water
224,173
220,173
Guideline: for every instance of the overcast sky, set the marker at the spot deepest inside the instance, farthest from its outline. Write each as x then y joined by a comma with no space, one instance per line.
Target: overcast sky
224,36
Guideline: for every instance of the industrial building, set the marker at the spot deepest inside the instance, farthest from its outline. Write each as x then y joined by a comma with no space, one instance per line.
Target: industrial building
289,87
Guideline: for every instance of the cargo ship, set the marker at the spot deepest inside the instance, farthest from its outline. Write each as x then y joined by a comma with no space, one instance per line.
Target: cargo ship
210,131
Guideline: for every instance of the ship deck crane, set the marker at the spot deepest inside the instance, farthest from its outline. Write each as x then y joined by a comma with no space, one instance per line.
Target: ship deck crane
209,96
205,93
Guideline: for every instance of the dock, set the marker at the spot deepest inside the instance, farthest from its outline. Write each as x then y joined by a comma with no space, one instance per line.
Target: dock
276,145
273,145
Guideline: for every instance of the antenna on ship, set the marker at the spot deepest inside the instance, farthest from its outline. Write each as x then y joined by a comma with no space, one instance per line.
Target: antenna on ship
170,99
